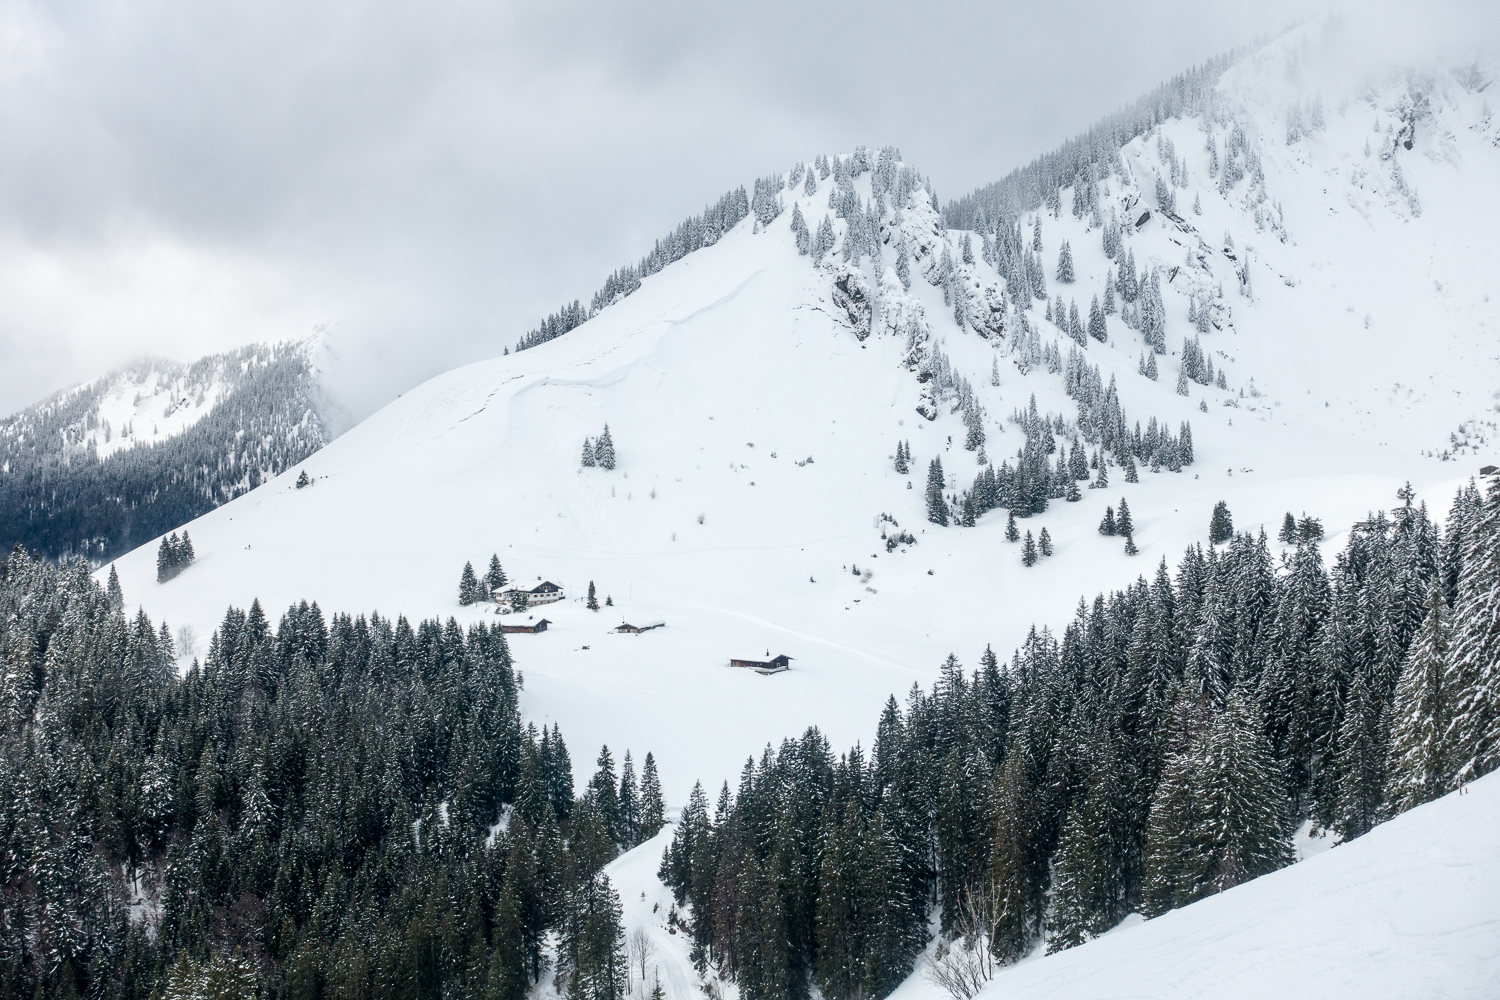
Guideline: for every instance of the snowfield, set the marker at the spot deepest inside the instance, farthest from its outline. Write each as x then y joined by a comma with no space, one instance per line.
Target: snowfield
1407,911
756,434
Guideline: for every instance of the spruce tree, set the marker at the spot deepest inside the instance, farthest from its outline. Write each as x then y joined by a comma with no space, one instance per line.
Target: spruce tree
593,599
1221,525
115,594
495,578
1242,810
630,804
1097,328
1361,759
653,810
937,506
1074,494
1288,533
1124,524
1417,769
1108,525
902,459
468,585
1065,264
1012,533
1028,551
1473,740
506,977
588,454
604,450
1044,542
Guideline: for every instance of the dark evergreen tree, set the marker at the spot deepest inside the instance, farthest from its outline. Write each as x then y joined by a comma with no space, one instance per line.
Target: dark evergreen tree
1417,770
653,809
1012,532
469,591
937,507
1473,739
1065,264
1221,525
1028,551
592,603
1098,329
604,450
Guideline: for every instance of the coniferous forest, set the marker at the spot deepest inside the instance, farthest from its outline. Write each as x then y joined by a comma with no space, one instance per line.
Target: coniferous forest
312,811
355,807
1167,747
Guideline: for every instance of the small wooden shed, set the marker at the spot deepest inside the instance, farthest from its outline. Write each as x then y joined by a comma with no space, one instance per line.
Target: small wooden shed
629,629
774,665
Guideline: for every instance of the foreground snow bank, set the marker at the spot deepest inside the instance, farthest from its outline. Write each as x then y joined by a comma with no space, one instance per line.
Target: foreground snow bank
1410,910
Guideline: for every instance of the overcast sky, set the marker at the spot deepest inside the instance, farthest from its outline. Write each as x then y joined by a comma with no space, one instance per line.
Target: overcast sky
428,179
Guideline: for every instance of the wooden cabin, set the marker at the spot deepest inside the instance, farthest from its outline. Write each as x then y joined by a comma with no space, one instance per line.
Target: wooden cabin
774,665
1489,470
540,625
545,592
629,629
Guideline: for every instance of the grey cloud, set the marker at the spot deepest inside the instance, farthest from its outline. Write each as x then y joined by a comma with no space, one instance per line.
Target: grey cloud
432,178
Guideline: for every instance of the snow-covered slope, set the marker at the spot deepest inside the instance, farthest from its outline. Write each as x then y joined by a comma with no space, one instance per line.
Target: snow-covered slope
756,431
1407,911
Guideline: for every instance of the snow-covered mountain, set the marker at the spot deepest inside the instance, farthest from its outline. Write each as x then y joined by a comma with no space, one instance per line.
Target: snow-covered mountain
756,400
98,469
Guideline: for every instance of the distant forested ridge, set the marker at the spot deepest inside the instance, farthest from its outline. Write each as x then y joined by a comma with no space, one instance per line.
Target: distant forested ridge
69,486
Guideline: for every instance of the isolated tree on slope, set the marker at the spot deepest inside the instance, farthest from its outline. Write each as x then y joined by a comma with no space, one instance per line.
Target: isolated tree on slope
593,599
588,454
1028,550
1417,769
937,507
604,450
903,458
1221,525
1065,264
